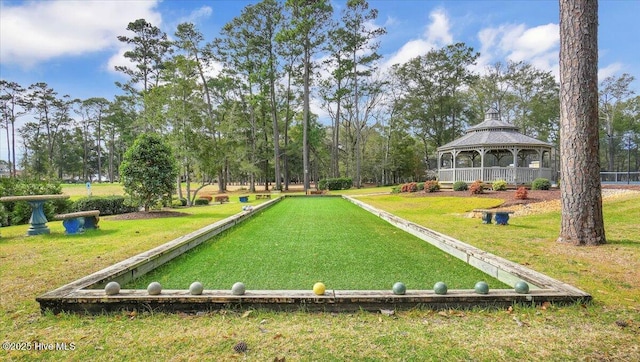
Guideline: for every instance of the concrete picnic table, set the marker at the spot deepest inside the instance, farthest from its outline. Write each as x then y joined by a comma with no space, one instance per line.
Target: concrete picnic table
38,220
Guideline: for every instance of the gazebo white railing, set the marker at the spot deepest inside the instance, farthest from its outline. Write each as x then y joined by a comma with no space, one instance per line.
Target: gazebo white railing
494,150
519,175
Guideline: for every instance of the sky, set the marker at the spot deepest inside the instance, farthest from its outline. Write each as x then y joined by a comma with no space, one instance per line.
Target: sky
72,45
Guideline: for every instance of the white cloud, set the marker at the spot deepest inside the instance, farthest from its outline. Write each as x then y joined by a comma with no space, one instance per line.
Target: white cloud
118,59
391,21
409,50
198,14
436,34
37,31
439,31
538,46
609,70
532,43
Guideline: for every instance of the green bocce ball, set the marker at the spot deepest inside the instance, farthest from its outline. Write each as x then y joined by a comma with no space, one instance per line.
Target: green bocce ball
440,288
482,288
399,288
521,287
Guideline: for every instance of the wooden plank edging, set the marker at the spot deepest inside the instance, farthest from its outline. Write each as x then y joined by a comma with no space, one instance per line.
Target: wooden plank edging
506,270
78,296
191,240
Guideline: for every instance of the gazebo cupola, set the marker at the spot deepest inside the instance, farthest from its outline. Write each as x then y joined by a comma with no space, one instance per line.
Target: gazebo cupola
494,150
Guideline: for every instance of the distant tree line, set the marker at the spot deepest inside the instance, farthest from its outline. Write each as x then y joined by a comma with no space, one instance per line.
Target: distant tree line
252,121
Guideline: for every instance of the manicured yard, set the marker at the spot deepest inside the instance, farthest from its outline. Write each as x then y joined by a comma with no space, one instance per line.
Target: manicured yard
608,329
300,241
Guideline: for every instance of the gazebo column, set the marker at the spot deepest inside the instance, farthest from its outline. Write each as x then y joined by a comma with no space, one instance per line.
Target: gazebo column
454,156
439,166
540,163
514,152
482,151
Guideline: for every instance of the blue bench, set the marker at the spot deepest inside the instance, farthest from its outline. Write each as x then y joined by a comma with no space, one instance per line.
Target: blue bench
77,222
501,216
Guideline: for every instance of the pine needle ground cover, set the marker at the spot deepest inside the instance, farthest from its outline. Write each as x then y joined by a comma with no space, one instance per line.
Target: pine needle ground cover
300,241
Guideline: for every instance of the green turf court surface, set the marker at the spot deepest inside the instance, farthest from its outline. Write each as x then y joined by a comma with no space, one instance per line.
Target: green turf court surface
300,241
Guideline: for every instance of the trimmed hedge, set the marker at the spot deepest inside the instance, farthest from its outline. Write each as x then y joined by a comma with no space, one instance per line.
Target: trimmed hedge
499,185
201,201
541,184
460,186
522,193
431,186
108,205
477,187
342,183
409,187
175,201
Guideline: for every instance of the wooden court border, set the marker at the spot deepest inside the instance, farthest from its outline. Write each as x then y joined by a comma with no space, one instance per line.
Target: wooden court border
86,295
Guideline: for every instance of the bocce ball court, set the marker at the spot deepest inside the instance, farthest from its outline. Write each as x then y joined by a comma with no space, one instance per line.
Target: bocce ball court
279,249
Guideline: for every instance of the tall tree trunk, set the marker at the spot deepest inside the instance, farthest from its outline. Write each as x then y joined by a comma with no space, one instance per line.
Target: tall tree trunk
8,147
13,149
581,195
179,187
285,157
112,155
188,184
358,155
276,129
305,117
335,151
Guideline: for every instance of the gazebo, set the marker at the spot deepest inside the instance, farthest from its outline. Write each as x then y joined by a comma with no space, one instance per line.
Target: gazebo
494,150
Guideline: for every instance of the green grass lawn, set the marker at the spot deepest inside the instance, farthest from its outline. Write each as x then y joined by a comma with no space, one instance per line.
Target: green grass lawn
605,330
300,241
531,241
96,189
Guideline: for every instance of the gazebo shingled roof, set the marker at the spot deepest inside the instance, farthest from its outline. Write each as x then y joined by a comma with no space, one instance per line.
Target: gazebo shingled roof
492,132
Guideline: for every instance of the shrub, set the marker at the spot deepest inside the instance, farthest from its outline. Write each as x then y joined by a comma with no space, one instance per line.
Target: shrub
541,184
499,185
208,197
3,215
395,189
432,186
342,183
108,205
460,186
201,201
420,186
477,187
175,203
409,187
20,212
179,201
522,193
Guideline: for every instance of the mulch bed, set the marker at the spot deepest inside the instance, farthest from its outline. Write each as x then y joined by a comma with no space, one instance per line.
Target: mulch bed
534,196
509,196
141,215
